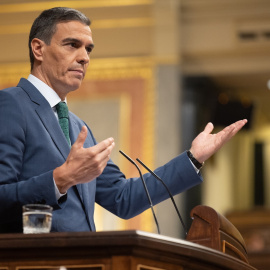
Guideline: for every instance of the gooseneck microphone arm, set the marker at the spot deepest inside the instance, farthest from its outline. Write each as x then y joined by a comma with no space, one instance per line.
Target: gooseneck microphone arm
158,178
145,188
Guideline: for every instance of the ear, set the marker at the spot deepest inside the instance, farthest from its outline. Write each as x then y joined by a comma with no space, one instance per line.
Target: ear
38,49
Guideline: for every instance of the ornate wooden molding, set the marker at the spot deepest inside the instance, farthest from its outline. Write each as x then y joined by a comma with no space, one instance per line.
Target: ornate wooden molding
41,5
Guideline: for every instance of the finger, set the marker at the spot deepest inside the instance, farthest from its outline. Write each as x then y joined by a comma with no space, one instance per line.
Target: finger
239,125
107,151
105,155
104,145
81,137
235,127
228,132
209,128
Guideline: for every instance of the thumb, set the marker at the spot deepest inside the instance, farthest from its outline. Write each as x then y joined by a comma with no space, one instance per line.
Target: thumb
209,128
81,137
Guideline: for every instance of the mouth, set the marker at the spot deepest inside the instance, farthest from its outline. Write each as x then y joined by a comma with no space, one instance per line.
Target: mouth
78,72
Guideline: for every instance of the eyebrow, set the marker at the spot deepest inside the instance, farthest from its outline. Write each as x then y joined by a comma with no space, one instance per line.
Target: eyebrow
91,45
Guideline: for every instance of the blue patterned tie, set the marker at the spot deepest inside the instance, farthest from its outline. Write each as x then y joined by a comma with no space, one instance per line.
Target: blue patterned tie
62,111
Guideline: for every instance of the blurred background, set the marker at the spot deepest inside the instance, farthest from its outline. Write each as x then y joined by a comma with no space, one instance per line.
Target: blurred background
160,70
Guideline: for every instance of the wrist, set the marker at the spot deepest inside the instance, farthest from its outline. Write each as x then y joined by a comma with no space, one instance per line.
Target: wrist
61,180
195,162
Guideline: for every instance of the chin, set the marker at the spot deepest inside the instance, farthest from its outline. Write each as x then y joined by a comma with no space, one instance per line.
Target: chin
74,86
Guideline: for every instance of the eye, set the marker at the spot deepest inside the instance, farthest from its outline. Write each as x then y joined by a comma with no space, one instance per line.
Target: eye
73,45
89,49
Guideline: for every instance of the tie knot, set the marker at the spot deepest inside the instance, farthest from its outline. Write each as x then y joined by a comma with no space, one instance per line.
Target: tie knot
62,110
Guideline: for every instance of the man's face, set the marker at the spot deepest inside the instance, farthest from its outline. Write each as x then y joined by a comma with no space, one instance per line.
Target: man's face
65,60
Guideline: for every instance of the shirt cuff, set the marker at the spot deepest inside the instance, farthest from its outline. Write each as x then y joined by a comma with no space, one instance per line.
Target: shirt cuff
196,169
58,195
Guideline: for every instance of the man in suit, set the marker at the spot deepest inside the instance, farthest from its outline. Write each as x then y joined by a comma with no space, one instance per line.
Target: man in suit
38,164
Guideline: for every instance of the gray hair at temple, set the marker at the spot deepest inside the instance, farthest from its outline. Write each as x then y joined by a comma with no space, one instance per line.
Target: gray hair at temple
44,26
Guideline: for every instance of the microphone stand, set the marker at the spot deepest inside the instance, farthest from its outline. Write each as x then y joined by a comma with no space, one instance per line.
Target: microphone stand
145,188
158,178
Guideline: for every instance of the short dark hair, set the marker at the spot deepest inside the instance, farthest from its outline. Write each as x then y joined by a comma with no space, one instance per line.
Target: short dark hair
44,26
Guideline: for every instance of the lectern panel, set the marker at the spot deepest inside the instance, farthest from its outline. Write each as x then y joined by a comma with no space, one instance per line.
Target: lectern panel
144,267
118,250
68,267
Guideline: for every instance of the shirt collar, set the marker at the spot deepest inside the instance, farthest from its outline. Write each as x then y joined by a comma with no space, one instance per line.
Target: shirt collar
49,94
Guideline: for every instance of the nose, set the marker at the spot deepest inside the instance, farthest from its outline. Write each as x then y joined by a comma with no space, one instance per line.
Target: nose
83,57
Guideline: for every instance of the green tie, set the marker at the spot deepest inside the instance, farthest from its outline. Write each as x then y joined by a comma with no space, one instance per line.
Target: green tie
62,111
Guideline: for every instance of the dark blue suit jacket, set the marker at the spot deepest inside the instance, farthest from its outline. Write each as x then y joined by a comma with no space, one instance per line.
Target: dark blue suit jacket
32,145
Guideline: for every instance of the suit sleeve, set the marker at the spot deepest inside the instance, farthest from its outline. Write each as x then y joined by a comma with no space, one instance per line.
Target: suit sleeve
127,198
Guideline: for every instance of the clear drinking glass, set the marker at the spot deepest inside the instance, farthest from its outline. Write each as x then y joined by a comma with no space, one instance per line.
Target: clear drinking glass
37,218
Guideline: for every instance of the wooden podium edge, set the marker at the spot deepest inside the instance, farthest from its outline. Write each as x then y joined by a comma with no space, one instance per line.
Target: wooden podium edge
116,243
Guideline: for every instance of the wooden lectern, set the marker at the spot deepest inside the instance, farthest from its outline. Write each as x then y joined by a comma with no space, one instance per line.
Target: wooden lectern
214,239
119,250
211,229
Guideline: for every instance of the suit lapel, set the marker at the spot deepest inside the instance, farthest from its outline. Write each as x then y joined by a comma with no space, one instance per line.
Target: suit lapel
47,117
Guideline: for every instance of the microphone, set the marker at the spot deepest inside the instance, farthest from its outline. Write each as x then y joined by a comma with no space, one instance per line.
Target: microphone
158,178
145,187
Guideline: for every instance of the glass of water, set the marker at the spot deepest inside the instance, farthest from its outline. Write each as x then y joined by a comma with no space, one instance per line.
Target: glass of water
37,218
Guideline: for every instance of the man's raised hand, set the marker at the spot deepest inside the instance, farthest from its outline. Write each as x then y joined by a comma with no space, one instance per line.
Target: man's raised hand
83,164
206,144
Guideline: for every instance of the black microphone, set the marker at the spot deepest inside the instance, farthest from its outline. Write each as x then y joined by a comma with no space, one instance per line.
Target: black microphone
158,178
145,187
